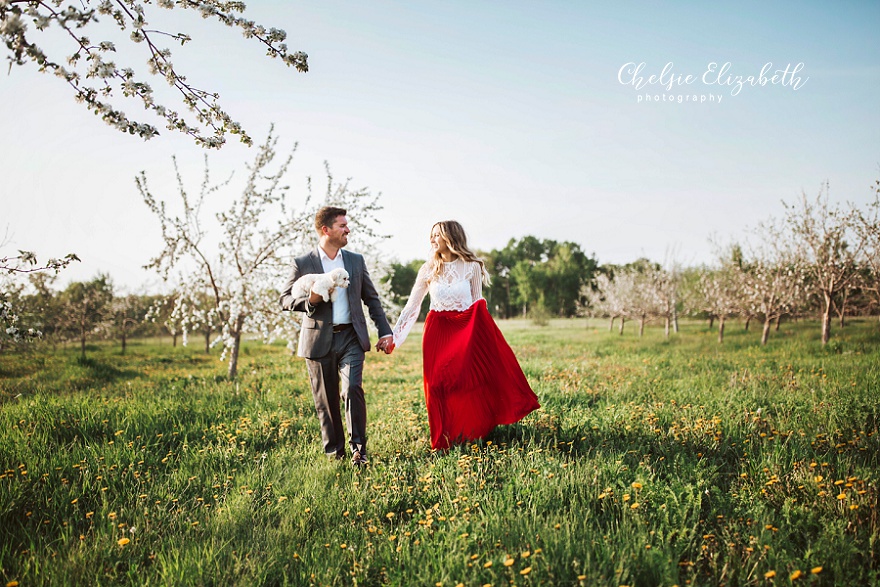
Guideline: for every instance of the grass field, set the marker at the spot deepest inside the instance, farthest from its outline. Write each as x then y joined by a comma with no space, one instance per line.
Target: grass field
651,462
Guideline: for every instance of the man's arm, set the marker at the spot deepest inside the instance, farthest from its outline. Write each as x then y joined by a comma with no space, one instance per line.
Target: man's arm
298,304
371,299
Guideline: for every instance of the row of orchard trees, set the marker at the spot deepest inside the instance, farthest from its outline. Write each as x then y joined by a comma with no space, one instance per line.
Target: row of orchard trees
818,258
224,273
82,312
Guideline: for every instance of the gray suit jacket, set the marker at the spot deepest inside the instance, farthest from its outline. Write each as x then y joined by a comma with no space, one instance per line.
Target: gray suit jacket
316,336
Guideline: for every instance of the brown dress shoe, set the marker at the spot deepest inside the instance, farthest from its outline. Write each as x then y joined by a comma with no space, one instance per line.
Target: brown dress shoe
357,460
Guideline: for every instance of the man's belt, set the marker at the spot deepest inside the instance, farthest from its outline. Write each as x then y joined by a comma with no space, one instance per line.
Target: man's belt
341,327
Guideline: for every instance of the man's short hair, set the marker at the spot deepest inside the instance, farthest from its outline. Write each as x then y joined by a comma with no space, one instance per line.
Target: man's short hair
327,215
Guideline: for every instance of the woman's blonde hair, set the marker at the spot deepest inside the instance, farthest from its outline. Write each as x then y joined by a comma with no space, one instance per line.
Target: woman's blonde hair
456,239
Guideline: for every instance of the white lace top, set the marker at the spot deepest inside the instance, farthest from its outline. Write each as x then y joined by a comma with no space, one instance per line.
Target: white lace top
458,286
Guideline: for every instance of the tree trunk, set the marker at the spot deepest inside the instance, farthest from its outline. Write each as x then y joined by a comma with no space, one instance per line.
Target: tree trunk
841,310
123,340
766,332
611,326
826,320
641,327
721,329
82,344
174,340
778,320
666,328
622,320
207,342
711,322
748,319
236,343
675,320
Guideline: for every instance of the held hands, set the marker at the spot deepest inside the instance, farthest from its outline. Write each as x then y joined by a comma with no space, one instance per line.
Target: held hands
386,344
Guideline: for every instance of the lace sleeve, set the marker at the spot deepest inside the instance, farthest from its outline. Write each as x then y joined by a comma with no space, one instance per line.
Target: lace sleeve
476,280
410,312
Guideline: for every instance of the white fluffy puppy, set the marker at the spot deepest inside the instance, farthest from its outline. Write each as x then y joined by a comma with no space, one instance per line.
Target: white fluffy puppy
325,285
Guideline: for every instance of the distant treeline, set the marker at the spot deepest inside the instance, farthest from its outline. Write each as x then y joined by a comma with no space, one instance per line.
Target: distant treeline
818,261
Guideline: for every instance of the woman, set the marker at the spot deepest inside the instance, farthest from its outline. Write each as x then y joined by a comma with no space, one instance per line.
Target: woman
472,379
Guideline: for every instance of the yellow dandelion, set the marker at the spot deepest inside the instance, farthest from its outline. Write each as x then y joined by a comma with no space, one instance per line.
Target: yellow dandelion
526,554
343,546
389,515
582,577
75,500
603,495
796,575
487,565
841,496
557,526
634,506
626,497
816,570
526,571
123,541
508,562
769,574
636,485
12,584
854,507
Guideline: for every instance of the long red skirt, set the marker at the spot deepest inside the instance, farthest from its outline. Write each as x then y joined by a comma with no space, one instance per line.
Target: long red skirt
473,381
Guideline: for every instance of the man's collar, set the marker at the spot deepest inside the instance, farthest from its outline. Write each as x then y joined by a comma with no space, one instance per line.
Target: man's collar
323,255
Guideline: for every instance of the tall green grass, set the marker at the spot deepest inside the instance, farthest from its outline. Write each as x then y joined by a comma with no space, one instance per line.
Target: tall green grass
651,462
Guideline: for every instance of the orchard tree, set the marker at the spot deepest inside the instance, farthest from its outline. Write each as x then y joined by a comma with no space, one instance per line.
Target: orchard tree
824,240
774,276
127,314
243,267
99,82
606,299
718,292
664,290
867,225
12,269
86,309
162,311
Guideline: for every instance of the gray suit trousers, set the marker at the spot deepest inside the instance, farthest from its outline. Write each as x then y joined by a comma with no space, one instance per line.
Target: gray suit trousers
339,375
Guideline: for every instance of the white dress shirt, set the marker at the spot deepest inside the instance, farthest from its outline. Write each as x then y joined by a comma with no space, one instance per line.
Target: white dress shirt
341,310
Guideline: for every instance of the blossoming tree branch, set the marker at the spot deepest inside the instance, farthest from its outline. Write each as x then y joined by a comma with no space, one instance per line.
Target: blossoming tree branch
97,81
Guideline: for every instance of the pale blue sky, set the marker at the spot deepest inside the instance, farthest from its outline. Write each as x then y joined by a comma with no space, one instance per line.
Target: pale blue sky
507,116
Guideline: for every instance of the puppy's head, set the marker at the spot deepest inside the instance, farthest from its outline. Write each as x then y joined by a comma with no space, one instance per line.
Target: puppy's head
340,277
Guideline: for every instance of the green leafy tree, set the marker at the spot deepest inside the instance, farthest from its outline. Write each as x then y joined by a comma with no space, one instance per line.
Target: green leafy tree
400,279
538,274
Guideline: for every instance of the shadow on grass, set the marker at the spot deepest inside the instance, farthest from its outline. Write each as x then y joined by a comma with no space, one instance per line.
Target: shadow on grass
100,372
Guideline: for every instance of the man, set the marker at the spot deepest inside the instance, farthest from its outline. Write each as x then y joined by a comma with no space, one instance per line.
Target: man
334,336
